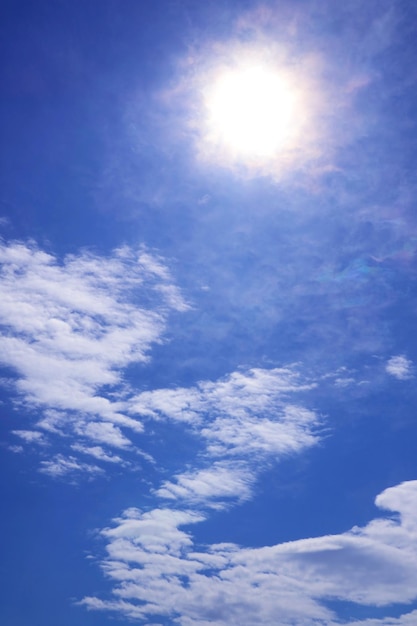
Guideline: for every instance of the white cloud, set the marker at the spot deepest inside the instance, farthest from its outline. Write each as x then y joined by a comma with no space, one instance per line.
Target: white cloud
214,486
103,432
80,323
289,430
98,453
344,382
241,393
30,436
400,367
182,405
158,570
245,420
244,414
70,328
60,466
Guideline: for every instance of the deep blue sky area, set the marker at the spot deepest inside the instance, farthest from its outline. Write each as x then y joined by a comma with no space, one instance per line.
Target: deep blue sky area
208,302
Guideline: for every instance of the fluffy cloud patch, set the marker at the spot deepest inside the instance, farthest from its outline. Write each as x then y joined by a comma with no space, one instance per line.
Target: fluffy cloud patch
400,367
30,436
70,327
158,571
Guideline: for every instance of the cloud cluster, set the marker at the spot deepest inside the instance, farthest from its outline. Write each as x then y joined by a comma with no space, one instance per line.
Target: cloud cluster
69,328
160,572
243,421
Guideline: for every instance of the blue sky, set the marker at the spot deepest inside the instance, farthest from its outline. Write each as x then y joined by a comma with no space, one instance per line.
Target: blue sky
207,351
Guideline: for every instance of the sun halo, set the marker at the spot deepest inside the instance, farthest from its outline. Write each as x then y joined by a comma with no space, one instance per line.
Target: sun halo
251,112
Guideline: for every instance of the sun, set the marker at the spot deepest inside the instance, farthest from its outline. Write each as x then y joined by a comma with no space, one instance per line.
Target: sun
251,112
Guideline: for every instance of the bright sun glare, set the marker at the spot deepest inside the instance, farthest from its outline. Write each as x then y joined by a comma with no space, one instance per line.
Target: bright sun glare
251,112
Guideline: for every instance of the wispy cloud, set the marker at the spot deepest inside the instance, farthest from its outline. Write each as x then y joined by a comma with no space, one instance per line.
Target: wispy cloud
30,436
400,367
159,571
70,328
242,422
213,486
241,395
97,452
60,466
